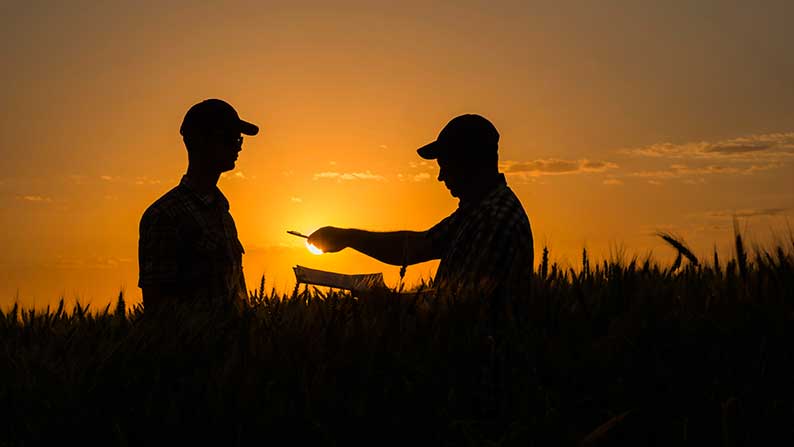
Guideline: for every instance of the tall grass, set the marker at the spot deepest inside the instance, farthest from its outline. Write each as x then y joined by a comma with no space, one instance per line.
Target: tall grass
693,354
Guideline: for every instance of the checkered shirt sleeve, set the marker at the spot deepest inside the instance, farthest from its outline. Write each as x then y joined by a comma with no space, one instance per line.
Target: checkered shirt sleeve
442,234
158,249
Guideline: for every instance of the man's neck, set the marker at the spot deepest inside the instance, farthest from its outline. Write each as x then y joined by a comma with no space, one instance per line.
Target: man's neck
481,187
203,180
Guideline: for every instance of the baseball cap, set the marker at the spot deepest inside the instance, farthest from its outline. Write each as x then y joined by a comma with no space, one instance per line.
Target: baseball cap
214,114
464,136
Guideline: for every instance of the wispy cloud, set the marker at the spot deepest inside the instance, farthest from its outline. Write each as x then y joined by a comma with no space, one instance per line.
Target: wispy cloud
235,175
146,181
422,176
80,179
92,262
682,170
773,146
555,166
34,198
694,181
752,212
348,176
697,160
613,182
296,200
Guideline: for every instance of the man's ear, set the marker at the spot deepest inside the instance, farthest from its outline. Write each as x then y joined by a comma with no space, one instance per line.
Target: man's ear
193,144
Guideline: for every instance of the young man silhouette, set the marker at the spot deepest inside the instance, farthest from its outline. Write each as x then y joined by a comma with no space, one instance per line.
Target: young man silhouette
188,251
485,244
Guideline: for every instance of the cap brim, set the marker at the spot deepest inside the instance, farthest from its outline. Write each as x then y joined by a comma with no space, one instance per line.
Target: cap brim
247,128
430,151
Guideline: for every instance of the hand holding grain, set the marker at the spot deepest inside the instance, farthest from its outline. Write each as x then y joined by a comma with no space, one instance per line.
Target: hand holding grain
329,239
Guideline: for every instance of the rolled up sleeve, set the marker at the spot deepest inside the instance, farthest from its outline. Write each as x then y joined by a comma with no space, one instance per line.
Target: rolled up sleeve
442,234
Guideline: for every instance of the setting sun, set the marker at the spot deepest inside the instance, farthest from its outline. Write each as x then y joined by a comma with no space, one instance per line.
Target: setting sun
314,250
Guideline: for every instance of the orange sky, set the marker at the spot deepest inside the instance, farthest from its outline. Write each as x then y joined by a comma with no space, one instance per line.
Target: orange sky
617,118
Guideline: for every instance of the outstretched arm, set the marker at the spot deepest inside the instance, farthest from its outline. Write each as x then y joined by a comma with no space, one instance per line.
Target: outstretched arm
392,247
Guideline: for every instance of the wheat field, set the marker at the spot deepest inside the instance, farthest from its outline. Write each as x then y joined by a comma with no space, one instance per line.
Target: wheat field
619,352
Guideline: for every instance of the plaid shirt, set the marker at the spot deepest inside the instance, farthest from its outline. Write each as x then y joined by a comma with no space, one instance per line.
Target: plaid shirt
484,244
188,241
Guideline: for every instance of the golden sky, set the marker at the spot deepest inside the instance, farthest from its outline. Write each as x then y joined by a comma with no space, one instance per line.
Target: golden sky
618,119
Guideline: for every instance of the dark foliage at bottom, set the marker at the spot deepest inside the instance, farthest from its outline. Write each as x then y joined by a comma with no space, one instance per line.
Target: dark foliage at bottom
625,353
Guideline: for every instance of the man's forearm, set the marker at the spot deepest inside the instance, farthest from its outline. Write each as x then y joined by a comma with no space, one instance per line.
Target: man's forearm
392,247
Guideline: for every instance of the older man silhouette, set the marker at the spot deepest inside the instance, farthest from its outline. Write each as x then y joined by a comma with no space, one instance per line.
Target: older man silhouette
485,244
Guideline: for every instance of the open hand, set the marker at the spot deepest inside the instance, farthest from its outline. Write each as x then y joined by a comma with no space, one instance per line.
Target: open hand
329,239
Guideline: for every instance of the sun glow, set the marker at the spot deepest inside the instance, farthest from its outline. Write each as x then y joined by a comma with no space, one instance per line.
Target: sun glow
313,249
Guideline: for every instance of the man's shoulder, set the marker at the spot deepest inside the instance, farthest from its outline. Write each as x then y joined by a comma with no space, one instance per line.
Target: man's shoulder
502,201
169,205
507,214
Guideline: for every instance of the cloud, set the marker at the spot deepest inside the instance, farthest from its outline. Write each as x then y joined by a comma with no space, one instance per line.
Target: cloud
613,182
418,177
348,176
32,198
296,200
236,175
91,262
146,181
694,181
773,146
555,166
681,170
753,212
736,147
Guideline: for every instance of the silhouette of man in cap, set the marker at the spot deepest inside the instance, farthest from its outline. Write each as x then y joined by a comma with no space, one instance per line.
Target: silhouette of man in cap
485,244
188,249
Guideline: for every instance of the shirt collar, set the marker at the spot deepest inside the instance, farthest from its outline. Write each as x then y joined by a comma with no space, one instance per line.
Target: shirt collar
213,198
498,186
